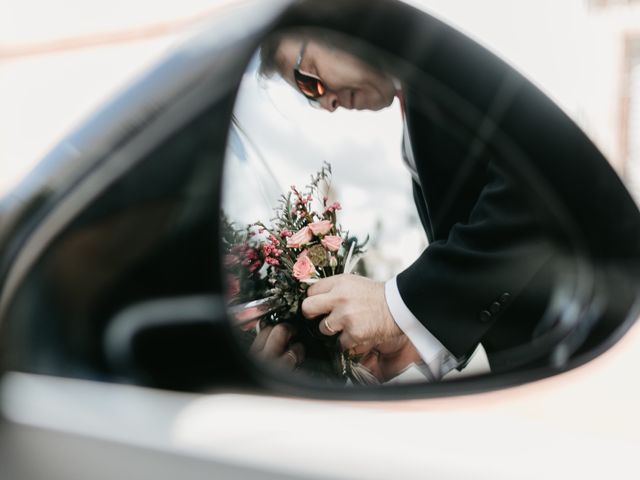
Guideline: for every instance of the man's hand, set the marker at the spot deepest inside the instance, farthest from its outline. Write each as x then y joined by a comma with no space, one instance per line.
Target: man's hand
272,344
356,307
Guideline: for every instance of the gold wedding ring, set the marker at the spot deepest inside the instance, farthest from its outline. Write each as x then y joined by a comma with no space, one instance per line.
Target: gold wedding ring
328,327
293,356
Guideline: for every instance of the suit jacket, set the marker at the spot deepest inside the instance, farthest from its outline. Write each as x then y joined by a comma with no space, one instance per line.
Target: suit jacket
489,270
522,220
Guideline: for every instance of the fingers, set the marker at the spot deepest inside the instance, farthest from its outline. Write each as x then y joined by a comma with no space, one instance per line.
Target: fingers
293,356
272,343
260,340
324,285
353,347
361,349
317,305
356,309
328,326
277,340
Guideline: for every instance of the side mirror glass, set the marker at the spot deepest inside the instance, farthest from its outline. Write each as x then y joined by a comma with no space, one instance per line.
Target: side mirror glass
415,220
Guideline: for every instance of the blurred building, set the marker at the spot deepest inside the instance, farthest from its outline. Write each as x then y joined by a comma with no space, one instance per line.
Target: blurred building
623,19
629,100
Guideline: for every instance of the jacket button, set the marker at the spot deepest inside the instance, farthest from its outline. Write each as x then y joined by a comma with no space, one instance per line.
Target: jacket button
485,316
495,308
504,298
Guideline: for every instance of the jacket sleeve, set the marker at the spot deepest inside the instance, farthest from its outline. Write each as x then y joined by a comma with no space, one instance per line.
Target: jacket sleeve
464,283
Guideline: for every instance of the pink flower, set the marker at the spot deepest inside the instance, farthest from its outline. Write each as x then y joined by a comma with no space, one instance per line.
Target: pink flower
303,268
321,228
331,242
333,207
255,266
300,238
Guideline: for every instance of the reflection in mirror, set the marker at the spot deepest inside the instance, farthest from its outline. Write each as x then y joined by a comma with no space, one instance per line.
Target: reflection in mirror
374,231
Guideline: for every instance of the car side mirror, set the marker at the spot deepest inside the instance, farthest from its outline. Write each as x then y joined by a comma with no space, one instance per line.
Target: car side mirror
114,266
506,186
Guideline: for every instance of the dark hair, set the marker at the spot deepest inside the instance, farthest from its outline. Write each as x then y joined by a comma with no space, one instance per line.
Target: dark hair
268,49
269,64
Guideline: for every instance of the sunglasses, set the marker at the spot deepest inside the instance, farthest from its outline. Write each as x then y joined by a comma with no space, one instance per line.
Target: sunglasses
309,85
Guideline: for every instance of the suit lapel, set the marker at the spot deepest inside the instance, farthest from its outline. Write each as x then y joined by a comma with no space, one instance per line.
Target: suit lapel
440,147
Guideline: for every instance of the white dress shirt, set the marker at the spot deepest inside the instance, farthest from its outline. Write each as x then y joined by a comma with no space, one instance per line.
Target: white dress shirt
439,360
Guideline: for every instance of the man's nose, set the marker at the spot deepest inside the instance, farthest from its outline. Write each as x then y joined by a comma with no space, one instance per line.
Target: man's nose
329,101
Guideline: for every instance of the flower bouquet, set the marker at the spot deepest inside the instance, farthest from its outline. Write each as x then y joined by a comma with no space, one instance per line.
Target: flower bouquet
270,266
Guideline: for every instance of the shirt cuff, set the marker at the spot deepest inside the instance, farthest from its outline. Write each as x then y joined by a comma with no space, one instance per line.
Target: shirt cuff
439,360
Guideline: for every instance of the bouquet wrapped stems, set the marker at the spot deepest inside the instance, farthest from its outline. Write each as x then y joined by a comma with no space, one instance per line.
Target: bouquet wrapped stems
275,263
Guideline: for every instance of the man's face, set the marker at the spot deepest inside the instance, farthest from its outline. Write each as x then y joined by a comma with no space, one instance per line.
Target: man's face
350,83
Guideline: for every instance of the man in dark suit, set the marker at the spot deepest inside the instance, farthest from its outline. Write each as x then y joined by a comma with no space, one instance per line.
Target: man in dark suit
487,273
